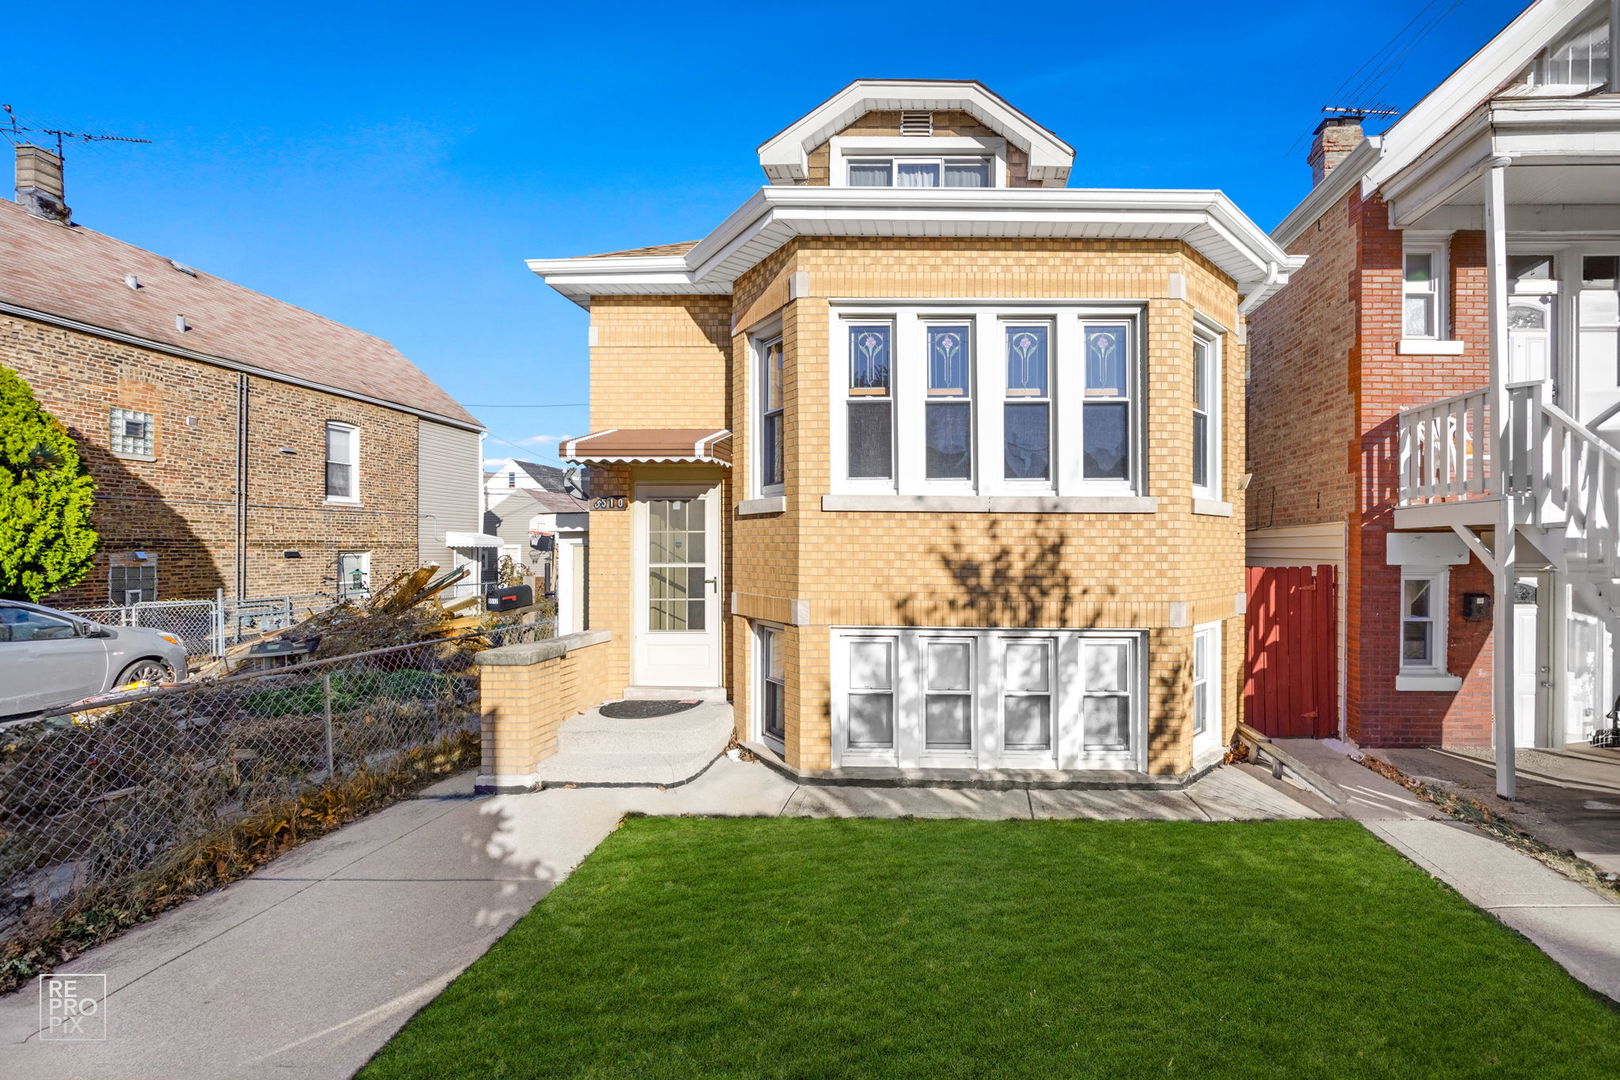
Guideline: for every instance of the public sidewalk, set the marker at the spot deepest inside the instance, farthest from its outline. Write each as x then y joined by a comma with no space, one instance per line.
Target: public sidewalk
307,968
1576,926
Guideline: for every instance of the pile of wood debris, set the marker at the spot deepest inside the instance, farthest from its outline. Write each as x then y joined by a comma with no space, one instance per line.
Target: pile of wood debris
406,610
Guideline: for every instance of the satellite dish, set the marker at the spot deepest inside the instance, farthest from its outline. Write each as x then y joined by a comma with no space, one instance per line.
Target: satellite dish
574,482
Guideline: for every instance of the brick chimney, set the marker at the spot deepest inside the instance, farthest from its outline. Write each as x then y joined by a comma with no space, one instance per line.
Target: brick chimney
1335,138
39,184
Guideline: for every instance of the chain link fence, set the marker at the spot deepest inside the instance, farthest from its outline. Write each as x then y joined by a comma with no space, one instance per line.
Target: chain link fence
209,627
96,796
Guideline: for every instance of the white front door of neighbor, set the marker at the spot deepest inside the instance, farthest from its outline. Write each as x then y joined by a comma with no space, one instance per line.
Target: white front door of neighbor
1597,366
677,586
1531,674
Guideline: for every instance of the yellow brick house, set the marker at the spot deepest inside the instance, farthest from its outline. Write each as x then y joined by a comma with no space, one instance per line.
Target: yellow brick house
925,460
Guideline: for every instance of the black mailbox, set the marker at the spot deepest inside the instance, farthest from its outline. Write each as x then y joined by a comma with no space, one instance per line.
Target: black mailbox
512,596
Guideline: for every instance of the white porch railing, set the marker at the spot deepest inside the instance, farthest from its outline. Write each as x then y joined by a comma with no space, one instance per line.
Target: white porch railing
1568,478
1443,449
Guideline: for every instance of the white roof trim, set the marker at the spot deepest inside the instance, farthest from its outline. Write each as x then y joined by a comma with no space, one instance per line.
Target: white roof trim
1477,79
1328,193
785,156
1206,220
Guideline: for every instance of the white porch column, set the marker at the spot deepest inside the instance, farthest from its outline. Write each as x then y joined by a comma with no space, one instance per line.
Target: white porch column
1506,527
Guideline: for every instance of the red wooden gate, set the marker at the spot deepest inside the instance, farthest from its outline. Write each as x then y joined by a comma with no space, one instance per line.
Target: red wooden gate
1290,672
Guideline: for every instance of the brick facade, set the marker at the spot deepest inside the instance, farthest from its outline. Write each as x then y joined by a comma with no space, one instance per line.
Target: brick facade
183,504
1122,571
1326,385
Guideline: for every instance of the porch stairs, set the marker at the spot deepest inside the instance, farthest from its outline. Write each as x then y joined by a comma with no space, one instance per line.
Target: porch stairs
661,751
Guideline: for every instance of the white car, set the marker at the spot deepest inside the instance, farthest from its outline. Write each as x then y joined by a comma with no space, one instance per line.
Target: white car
49,658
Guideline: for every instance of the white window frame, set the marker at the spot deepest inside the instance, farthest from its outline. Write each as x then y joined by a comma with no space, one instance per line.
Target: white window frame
844,395
354,466
909,392
116,418
1213,735
844,149
761,675
762,410
344,589
988,657
1030,484
948,485
1213,420
1439,580
1437,288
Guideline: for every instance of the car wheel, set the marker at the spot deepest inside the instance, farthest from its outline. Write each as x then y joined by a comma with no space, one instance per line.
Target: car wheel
148,672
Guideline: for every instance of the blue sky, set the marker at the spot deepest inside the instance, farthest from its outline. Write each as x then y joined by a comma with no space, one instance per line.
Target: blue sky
391,166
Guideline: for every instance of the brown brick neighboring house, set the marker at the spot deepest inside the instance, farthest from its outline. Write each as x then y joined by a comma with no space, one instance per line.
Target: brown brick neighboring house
923,460
238,443
1463,272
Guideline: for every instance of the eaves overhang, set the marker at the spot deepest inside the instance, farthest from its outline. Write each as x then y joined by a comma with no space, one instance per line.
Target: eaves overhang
785,156
1207,221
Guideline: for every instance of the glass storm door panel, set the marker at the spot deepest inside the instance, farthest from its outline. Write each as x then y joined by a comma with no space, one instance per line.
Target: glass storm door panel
677,564
1597,362
1530,339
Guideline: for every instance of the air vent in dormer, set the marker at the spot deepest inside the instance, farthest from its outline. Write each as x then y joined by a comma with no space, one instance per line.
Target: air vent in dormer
916,123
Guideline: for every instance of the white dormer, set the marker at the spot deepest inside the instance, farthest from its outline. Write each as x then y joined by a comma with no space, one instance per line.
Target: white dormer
913,150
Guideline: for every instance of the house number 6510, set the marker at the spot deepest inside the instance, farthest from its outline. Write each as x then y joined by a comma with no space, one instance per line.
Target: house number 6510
609,504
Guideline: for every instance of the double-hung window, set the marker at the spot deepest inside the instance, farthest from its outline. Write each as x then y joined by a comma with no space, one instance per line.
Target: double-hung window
1106,709
870,700
869,411
949,411
1423,623
342,463
770,426
1027,415
1423,289
1026,700
1106,418
1206,450
772,685
915,172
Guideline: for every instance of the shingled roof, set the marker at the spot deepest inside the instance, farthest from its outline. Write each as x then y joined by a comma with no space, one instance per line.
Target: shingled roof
73,273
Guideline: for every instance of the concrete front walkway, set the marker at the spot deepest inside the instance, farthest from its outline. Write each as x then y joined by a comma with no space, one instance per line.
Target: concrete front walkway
305,969
1577,927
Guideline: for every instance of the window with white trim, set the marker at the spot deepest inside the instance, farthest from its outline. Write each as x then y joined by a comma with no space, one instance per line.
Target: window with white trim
770,417
1579,62
342,462
914,172
869,408
1423,289
1026,424
354,574
1206,701
131,433
988,401
1206,451
772,685
986,698
1423,621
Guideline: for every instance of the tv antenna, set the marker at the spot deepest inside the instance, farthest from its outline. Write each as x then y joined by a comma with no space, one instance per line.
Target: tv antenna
1361,112
60,134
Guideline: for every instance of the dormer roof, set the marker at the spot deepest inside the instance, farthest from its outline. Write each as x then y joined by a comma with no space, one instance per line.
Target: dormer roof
785,156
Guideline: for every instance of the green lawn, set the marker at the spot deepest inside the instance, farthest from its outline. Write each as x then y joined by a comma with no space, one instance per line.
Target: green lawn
793,947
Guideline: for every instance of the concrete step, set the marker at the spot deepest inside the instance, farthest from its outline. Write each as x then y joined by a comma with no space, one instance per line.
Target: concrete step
674,693
596,751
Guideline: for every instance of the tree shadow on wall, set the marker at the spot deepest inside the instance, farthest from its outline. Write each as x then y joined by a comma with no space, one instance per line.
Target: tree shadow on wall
1007,577
131,515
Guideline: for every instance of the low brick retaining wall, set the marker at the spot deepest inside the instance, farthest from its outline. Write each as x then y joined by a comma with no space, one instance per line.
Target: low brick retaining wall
525,693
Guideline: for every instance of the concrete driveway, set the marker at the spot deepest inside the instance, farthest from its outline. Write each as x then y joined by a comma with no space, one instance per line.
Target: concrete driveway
306,968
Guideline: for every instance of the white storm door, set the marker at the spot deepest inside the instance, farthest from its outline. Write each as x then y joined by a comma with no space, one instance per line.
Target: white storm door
677,569
1206,700
1597,366
1531,673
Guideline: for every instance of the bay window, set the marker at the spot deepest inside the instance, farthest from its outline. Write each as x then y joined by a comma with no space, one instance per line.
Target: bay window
912,697
869,411
1206,450
770,424
1027,416
962,400
949,412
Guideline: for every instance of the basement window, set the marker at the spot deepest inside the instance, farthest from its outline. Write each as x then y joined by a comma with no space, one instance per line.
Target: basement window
133,583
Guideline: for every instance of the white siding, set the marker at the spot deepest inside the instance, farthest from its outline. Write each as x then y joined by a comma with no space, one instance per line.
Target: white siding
450,475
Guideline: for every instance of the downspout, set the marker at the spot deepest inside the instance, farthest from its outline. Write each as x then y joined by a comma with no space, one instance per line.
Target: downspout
241,484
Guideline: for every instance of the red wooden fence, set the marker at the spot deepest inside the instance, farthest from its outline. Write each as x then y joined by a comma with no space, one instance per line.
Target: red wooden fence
1290,671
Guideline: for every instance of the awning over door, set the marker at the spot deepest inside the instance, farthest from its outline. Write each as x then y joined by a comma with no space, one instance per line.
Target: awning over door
705,445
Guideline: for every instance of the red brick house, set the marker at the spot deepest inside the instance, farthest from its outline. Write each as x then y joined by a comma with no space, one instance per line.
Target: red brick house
238,443
1435,396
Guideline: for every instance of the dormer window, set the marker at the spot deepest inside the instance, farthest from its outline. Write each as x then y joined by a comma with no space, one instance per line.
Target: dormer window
912,172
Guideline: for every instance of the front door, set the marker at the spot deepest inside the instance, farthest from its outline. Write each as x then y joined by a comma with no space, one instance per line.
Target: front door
1531,674
677,623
